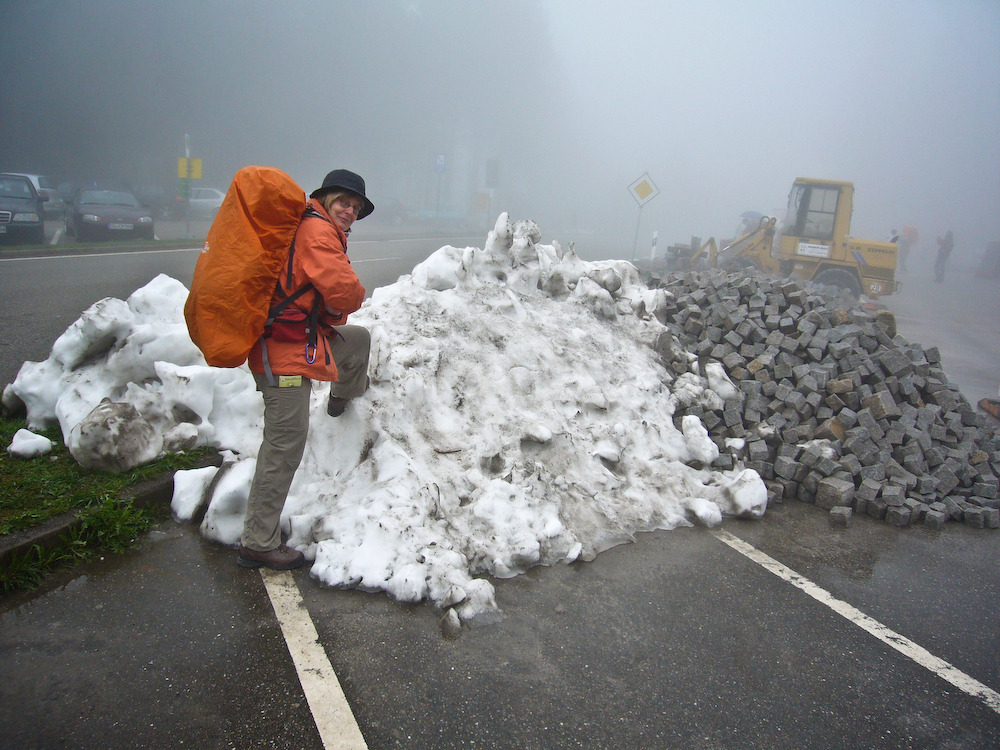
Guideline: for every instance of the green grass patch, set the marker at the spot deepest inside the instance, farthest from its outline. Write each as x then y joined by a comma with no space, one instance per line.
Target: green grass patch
34,490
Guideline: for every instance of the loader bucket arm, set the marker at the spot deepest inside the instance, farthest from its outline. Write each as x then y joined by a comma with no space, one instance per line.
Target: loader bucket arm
750,243
700,252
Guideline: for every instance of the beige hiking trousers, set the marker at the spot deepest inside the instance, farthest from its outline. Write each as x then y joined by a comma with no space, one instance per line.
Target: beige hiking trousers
286,427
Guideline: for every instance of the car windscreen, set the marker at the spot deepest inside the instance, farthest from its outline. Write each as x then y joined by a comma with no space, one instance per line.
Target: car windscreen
15,188
108,198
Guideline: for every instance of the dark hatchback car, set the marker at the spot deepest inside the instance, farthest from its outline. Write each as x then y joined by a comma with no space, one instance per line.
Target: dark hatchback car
22,218
107,214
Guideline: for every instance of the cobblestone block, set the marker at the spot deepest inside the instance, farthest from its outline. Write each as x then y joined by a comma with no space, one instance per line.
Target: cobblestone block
987,487
955,510
851,464
875,472
867,490
898,515
882,405
893,494
843,385
786,467
833,491
840,516
974,517
757,450
894,362
991,518
877,508
935,519
827,466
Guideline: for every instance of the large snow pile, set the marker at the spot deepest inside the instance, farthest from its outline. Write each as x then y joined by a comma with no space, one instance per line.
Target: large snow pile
519,414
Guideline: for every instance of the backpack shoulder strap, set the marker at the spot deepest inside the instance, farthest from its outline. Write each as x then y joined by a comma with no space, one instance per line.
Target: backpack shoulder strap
308,213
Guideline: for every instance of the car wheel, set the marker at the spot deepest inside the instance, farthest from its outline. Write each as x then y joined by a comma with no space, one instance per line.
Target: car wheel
841,279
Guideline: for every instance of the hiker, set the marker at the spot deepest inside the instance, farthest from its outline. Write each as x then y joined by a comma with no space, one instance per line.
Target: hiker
945,245
285,363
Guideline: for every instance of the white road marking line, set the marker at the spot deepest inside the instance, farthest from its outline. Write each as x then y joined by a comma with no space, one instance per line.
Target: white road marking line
100,255
333,716
901,643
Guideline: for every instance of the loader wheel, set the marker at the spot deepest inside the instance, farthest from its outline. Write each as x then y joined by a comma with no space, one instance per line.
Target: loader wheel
839,278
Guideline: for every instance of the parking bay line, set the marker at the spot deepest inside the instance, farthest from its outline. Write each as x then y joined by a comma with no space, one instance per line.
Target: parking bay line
338,729
901,643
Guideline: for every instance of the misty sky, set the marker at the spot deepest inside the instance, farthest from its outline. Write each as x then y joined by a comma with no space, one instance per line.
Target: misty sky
723,102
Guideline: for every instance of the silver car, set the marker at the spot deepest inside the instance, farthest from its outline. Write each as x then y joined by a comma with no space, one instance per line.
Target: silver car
205,202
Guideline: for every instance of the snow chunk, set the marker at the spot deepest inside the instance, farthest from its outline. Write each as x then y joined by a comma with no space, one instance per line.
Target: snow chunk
114,437
27,444
745,496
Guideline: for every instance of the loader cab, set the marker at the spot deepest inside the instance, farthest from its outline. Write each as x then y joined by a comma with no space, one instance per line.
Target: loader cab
818,218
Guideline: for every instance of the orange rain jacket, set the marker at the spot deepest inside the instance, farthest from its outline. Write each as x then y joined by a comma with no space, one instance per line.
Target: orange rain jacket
320,259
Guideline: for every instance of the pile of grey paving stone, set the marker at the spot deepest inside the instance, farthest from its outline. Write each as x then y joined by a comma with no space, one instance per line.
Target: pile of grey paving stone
834,408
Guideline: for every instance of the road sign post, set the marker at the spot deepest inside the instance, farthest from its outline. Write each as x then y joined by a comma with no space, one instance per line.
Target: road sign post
188,169
643,190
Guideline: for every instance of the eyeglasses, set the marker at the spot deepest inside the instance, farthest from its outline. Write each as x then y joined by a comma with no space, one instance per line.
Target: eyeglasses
344,201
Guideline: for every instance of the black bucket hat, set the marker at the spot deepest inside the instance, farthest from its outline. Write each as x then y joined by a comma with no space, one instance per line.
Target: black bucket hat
342,179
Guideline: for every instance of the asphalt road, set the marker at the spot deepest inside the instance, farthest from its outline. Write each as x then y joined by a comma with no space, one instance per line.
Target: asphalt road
676,641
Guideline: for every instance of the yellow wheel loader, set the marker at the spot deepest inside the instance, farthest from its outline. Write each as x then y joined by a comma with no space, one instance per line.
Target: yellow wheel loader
813,243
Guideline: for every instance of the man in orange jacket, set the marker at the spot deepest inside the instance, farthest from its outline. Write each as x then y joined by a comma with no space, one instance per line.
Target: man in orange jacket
296,350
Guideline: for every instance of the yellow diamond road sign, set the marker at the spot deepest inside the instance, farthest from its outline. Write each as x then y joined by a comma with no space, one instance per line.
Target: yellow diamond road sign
643,190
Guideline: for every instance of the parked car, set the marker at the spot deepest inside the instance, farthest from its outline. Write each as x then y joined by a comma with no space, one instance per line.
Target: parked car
205,202
46,187
107,214
22,216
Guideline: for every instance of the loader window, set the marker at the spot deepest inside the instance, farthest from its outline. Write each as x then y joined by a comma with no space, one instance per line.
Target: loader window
811,212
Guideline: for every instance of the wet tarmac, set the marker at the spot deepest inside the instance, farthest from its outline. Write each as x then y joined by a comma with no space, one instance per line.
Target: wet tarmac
960,316
674,641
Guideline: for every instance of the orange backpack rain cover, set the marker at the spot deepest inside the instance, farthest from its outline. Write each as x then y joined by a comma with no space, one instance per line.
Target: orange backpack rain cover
245,251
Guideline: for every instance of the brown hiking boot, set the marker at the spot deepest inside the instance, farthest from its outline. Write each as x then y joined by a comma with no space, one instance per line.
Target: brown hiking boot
279,558
336,406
